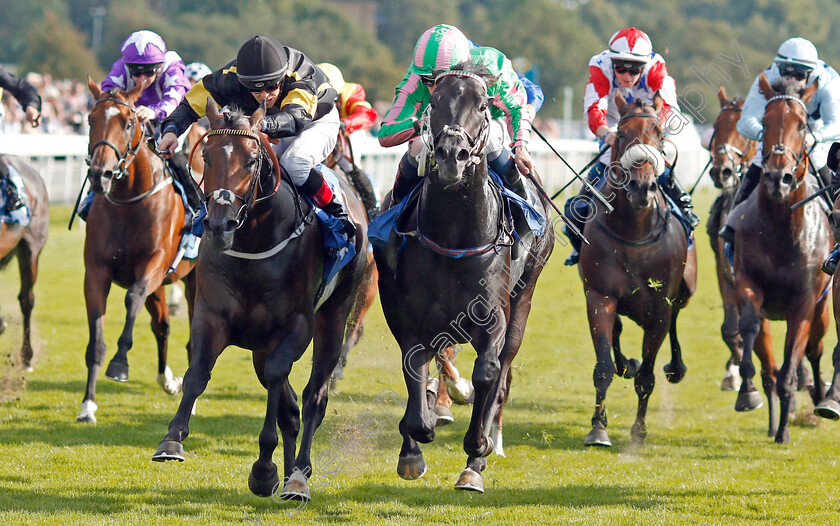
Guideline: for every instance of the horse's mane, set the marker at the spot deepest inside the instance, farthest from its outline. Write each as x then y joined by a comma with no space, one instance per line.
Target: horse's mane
479,70
113,92
234,116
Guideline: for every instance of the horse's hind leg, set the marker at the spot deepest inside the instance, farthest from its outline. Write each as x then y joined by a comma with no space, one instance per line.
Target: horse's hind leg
156,305
28,265
135,297
796,340
97,285
675,369
814,350
764,350
625,367
496,428
601,312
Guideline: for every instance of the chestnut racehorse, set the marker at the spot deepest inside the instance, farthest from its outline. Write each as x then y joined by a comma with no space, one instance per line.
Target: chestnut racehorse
778,252
133,233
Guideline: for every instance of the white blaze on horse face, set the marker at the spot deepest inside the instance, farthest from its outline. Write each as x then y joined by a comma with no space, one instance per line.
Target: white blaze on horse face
228,148
111,112
640,153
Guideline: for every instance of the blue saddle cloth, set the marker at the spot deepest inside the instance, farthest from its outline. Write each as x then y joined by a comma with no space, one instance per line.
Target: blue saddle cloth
23,214
384,224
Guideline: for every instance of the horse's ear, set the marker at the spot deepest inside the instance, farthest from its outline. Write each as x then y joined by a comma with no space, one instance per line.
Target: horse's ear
135,93
658,103
257,116
722,96
764,86
212,112
94,88
620,103
808,92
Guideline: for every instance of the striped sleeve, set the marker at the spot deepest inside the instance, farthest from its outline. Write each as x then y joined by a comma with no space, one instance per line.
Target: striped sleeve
410,100
356,111
658,80
595,98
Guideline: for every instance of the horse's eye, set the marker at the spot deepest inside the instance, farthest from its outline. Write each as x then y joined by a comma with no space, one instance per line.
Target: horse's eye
251,162
483,107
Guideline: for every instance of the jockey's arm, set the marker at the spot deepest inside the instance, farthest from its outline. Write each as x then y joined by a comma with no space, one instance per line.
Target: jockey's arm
749,125
410,99
25,93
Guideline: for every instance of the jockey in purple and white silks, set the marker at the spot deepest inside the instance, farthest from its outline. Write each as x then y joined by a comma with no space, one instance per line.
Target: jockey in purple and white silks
797,65
438,50
145,60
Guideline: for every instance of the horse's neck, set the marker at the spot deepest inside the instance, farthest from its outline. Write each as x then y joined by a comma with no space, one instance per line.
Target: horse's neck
471,206
141,176
270,221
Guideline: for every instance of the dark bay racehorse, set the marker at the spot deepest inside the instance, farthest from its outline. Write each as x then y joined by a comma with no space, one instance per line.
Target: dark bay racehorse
26,244
731,156
829,407
637,265
133,232
454,280
259,274
778,252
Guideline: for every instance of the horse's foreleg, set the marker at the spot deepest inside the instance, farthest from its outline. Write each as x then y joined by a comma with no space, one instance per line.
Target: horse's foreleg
28,265
796,340
489,343
814,351
829,407
729,331
97,285
750,299
625,367
645,381
135,297
675,369
418,422
601,312
211,337
156,305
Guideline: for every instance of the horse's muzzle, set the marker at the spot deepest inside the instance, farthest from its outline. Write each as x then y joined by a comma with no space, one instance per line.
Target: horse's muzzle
220,225
779,183
641,194
451,158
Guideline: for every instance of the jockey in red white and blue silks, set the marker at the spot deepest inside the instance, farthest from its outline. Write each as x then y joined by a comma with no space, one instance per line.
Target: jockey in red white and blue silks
145,52
438,50
632,68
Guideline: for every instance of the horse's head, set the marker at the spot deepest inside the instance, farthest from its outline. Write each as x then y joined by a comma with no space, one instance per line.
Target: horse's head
115,135
638,150
730,150
459,120
233,159
785,125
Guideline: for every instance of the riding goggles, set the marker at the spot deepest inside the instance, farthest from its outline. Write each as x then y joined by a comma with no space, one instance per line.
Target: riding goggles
143,70
256,86
796,71
633,68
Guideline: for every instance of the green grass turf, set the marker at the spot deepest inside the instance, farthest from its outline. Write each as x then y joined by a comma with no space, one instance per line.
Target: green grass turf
702,462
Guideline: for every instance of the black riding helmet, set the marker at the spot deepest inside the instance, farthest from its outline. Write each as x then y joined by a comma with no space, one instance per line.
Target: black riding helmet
261,63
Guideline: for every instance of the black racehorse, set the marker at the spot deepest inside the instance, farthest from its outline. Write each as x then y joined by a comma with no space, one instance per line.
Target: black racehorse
259,274
454,280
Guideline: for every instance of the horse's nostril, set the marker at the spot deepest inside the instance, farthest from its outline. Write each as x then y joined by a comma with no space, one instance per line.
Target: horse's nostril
727,172
463,155
787,179
230,225
652,187
440,152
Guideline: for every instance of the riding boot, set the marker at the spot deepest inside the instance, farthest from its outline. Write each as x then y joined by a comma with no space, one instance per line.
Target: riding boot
576,209
826,175
14,198
830,263
683,200
322,195
748,184
406,180
181,172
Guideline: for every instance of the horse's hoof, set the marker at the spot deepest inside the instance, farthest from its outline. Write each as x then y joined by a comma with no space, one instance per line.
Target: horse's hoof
783,435
117,371
470,480
88,412
263,487
296,488
444,416
411,467
673,373
169,450
461,391
828,408
748,401
731,380
598,437
638,433
170,383
631,368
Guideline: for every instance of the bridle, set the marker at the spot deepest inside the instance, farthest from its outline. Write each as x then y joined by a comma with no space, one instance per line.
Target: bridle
124,159
728,150
783,149
224,196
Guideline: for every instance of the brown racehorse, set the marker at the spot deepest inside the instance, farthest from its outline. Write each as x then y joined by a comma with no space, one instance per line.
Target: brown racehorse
133,231
258,284
26,243
829,407
731,156
637,265
778,252
454,280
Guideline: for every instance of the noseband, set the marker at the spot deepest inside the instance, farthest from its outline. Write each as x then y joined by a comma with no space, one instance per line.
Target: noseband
226,197
727,149
783,149
124,159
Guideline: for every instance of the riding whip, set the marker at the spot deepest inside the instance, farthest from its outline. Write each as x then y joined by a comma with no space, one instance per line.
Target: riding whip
703,171
583,180
76,206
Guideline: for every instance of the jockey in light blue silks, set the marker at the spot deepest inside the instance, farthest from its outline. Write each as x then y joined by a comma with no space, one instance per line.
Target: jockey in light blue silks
797,65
